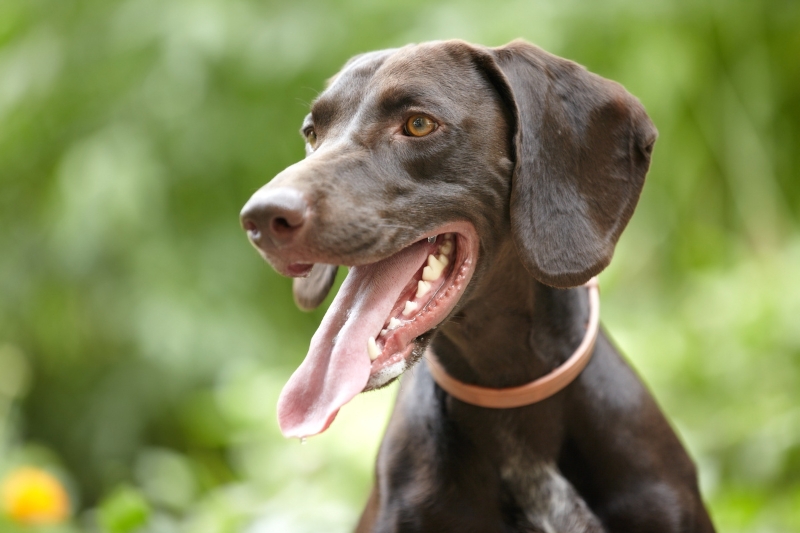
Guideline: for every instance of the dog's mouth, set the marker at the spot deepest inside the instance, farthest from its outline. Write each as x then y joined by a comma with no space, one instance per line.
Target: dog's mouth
378,325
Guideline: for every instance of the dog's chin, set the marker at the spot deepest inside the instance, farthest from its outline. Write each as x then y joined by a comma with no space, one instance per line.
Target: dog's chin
391,369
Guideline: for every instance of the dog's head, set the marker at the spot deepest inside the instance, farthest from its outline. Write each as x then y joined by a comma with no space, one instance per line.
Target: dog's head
420,162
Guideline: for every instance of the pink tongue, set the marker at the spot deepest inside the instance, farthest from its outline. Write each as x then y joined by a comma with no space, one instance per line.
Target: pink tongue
337,366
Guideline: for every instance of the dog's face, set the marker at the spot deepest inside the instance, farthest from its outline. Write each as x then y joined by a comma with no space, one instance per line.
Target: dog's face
388,145
417,161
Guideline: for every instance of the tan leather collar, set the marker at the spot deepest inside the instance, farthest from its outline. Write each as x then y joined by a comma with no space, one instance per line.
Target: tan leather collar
536,390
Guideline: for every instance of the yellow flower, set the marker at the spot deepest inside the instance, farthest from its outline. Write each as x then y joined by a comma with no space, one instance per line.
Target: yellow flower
32,496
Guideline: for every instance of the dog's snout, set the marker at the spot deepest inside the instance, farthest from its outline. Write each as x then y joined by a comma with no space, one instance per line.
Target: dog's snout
274,217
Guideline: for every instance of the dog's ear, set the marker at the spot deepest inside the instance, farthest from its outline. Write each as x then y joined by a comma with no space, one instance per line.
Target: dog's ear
311,290
582,147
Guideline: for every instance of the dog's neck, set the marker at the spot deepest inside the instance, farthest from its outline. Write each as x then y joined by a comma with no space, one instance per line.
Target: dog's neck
513,329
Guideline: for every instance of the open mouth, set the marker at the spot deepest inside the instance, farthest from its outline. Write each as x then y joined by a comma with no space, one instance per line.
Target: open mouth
378,326
425,302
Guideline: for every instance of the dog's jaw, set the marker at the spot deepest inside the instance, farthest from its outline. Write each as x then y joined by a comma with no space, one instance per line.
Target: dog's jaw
395,368
344,357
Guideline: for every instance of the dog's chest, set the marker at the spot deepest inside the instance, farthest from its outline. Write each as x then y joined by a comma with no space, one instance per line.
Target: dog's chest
547,500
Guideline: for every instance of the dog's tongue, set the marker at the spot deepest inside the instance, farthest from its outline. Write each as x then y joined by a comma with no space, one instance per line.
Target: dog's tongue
337,366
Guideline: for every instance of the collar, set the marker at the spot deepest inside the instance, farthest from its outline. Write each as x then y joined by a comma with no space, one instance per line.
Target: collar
536,390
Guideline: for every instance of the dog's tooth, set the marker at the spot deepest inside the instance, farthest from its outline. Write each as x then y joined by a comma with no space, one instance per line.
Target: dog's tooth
433,271
393,324
372,349
384,332
443,260
447,247
423,288
432,239
410,308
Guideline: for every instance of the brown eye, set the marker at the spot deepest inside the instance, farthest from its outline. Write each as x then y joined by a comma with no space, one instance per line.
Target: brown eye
419,126
311,138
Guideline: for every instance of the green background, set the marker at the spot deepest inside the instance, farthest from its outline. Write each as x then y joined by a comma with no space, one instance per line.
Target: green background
143,342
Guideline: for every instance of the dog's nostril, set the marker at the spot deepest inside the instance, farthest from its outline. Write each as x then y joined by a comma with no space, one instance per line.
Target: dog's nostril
280,224
274,217
252,230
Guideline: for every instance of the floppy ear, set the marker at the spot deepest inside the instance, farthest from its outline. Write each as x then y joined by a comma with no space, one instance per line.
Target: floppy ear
311,290
582,146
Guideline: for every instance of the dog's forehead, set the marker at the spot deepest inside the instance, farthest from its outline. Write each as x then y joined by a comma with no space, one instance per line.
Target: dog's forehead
357,71
433,71
435,61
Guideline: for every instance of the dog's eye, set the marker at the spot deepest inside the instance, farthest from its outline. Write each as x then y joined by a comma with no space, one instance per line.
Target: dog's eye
311,138
419,126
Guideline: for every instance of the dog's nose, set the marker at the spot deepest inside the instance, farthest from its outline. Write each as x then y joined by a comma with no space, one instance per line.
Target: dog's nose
274,216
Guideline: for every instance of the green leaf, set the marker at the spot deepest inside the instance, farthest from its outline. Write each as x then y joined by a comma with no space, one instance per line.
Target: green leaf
123,511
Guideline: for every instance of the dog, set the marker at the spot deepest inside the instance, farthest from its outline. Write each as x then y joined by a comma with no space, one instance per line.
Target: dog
472,192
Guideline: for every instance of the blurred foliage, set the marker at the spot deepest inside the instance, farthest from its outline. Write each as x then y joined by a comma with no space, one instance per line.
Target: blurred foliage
143,343
123,511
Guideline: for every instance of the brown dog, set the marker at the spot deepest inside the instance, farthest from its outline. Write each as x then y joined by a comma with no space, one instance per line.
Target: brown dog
469,189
